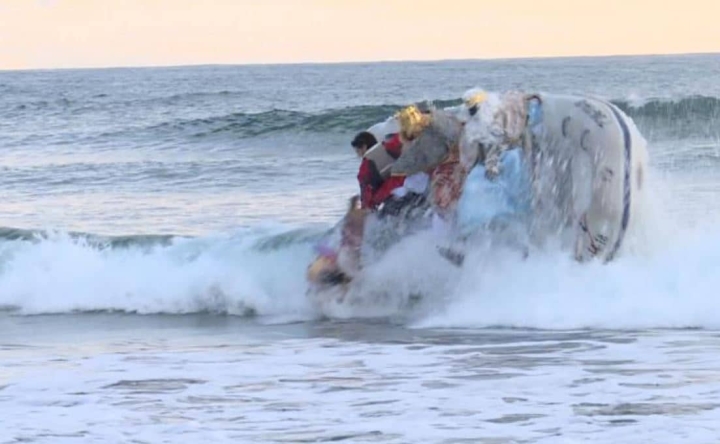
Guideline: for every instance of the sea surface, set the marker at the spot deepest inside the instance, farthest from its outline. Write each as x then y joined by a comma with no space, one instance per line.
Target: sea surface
156,224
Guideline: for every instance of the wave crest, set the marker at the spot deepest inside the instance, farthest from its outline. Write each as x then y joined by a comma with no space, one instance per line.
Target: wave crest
689,116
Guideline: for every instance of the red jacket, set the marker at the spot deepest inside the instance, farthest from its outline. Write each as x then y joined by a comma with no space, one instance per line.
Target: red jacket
373,189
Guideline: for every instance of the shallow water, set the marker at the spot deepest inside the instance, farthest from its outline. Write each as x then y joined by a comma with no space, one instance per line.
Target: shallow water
117,378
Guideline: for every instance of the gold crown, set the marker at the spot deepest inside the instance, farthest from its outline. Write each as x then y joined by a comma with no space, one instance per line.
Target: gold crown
475,99
411,120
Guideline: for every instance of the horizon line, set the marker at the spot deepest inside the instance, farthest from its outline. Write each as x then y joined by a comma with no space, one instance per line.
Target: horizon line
356,62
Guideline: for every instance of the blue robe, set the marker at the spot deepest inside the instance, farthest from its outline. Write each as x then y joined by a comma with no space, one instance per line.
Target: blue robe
505,198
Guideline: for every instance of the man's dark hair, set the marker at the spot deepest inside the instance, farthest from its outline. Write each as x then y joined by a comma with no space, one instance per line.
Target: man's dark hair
363,138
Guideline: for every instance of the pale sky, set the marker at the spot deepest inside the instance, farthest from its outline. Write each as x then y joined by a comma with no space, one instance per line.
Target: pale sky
101,33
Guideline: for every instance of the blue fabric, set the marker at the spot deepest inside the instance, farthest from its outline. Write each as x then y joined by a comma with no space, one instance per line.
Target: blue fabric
506,197
535,114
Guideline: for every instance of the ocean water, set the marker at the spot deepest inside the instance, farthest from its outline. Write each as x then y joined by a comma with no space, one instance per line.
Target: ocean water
156,225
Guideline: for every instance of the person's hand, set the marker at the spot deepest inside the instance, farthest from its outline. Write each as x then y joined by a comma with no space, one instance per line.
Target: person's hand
354,203
491,172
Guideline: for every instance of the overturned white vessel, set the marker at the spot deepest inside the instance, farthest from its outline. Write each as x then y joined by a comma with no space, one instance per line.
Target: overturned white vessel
568,168
588,160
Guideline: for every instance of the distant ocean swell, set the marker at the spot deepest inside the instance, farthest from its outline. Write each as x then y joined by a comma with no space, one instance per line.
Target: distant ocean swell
689,116
681,117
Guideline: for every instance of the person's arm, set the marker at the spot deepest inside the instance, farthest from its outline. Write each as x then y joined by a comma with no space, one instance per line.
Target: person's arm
382,193
492,160
497,144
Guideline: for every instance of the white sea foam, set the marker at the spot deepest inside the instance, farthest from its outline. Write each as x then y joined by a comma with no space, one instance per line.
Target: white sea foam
221,274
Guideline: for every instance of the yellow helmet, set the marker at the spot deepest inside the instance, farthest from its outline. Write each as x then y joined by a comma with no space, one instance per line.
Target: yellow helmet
411,121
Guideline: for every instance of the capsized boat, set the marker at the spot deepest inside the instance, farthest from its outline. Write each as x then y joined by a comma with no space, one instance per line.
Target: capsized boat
574,172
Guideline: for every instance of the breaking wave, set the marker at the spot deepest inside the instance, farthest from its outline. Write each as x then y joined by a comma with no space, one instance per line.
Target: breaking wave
674,289
241,273
261,272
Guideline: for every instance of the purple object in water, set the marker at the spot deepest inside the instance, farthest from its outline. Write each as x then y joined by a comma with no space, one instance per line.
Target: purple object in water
324,250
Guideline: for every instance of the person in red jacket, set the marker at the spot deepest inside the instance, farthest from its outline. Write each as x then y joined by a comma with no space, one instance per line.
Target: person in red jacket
374,188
